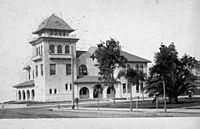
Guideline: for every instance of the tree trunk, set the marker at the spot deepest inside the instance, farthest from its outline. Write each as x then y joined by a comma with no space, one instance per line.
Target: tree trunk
131,99
98,102
164,93
113,97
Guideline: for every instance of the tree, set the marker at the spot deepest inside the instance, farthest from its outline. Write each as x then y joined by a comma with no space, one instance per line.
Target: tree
98,89
133,77
188,61
108,59
172,72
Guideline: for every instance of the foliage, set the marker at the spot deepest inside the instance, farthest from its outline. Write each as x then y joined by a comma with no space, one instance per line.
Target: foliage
108,58
98,89
131,75
175,72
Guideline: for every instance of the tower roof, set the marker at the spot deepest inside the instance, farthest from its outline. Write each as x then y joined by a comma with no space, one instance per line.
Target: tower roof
53,23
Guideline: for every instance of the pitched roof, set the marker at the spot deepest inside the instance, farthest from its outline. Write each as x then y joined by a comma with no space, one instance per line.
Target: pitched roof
89,79
55,23
134,58
79,53
25,84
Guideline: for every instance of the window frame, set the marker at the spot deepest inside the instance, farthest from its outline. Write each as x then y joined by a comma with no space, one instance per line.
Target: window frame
51,49
52,69
68,69
124,87
67,49
36,70
59,49
83,70
41,69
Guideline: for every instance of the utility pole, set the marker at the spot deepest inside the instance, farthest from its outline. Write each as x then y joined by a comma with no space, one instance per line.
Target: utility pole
72,70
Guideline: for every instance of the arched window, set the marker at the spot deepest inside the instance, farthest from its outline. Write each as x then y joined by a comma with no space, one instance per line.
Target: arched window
51,49
33,94
19,95
82,70
23,95
141,68
66,49
28,94
59,49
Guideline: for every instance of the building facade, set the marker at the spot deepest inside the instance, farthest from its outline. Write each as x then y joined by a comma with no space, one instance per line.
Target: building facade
54,60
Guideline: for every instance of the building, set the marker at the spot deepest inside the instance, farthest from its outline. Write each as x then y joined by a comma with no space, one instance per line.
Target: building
50,74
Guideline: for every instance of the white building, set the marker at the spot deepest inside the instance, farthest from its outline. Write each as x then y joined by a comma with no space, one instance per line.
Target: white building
50,74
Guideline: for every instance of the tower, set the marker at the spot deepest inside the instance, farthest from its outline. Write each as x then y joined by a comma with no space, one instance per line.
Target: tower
52,59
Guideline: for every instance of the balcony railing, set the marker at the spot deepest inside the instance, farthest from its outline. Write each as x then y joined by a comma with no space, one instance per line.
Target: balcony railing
37,57
59,56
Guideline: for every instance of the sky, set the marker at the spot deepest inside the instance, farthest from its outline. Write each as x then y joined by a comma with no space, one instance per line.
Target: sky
139,25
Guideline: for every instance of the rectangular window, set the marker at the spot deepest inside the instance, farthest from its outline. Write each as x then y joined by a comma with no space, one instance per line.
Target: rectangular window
29,75
52,69
66,86
33,74
70,86
36,51
124,87
36,70
50,91
41,66
68,69
137,87
41,50
55,91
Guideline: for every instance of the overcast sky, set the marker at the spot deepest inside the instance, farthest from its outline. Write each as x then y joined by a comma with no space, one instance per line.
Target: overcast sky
139,25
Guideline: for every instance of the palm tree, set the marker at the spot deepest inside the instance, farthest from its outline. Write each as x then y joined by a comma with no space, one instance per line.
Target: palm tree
178,82
133,77
98,89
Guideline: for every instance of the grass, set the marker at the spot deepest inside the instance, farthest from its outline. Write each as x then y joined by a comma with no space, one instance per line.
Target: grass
183,102
45,112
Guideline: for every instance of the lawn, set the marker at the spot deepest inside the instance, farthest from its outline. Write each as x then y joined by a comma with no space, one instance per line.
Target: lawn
183,103
45,112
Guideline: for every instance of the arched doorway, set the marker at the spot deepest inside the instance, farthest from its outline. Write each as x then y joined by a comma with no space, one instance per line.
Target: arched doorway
19,95
28,94
23,95
84,93
98,88
110,92
32,94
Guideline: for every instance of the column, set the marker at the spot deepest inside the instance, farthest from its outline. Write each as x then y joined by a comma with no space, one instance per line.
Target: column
90,93
105,92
